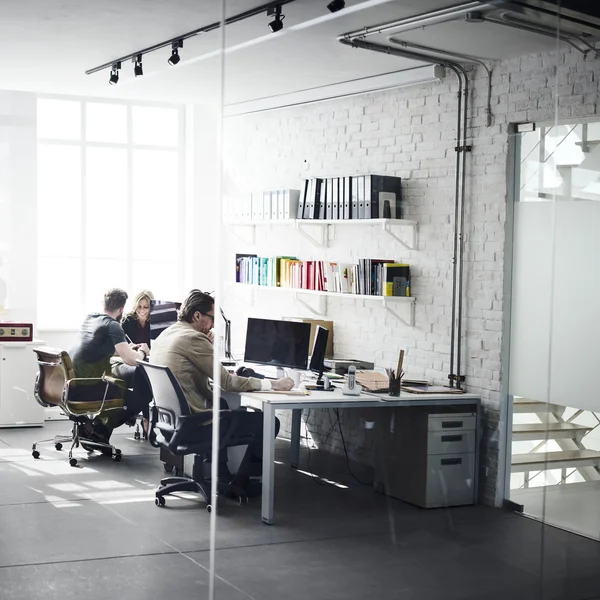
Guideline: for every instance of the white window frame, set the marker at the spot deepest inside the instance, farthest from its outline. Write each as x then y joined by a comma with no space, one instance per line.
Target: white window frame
79,305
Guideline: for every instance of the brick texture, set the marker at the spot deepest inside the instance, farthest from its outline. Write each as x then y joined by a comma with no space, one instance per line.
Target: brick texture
409,133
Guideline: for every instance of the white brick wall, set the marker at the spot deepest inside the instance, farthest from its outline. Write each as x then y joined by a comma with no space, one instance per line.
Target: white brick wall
409,133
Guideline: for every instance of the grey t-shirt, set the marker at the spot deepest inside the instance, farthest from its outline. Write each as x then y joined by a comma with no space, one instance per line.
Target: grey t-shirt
98,337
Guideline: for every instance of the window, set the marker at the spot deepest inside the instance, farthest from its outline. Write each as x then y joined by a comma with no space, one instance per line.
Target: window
109,204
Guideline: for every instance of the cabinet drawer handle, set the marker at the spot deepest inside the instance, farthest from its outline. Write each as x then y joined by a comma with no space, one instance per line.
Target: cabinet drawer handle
452,438
451,424
451,461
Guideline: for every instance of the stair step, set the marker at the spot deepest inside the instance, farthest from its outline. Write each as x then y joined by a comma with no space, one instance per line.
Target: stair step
538,461
553,431
525,405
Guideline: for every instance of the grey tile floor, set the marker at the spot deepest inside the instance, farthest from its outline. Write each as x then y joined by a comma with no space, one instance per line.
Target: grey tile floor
93,532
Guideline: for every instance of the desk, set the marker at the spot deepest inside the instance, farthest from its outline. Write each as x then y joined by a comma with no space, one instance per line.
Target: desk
335,399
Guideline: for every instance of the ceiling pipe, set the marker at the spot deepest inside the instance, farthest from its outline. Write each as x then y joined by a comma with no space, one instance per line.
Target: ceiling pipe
433,17
565,36
534,29
454,55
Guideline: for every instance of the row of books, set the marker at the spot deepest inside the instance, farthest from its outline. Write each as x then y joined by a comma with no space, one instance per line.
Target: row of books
358,197
275,205
371,277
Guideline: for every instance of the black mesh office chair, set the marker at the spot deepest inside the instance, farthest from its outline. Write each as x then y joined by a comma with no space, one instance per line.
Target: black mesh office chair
175,428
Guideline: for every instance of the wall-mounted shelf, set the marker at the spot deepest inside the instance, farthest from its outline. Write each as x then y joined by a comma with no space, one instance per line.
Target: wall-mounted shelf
400,306
317,231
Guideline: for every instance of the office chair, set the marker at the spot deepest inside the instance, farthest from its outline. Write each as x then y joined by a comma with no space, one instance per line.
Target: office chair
173,427
56,385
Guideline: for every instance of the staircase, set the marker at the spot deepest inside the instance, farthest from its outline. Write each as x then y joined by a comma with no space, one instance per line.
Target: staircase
551,445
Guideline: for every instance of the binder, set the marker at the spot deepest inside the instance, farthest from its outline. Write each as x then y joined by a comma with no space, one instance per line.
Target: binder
290,202
335,200
323,199
347,200
267,208
309,203
369,199
361,197
302,201
354,198
280,206
329,198
316,200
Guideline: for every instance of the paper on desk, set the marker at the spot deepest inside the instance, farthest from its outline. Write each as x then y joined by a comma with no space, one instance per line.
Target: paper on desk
288,393
372,381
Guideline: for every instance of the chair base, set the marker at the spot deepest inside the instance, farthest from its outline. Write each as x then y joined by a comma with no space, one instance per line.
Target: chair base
76,441
171,485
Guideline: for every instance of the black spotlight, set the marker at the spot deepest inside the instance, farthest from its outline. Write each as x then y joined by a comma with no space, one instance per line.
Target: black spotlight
175,58
138,71
114,74
277,24
336,5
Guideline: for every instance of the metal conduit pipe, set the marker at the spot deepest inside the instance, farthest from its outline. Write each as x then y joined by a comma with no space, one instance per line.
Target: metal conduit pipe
430,18
461,57
460,184
461,243
510,20
535,29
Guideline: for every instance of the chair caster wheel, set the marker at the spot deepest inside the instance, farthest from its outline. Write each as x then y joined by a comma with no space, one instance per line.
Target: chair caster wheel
159,501
58,446
209,508
73,462
118,451
242,500
168,468
35,454
137,436
117,457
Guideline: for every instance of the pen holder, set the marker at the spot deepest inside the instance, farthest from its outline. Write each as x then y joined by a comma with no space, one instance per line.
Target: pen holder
394,387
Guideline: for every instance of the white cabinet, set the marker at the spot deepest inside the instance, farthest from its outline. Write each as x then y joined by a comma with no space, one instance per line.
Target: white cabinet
18,370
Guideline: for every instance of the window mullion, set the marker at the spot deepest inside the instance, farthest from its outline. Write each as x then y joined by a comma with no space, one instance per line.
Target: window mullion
129,199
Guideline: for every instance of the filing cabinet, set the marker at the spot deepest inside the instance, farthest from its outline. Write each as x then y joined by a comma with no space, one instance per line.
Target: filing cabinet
427,455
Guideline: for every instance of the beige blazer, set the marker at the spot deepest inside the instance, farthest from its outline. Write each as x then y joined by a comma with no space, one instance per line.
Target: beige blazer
189,355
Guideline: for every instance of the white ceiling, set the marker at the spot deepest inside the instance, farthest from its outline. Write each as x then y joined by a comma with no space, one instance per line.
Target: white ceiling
48,45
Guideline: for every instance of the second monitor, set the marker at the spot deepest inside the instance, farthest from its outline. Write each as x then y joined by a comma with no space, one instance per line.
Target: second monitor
277,343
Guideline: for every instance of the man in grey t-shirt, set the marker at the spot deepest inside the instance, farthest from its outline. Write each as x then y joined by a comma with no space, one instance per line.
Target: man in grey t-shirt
100,337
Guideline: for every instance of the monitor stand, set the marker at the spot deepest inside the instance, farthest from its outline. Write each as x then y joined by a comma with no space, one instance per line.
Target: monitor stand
280,373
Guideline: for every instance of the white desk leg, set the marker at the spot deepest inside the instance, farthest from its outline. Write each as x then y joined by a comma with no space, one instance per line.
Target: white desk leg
295,441
268,476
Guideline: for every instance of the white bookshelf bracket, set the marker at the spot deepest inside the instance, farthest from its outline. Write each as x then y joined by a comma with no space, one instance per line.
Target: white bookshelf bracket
396,229
316,233
318,305
404,310
244,231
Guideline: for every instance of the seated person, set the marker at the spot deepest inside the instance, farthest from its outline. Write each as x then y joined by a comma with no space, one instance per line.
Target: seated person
187,349
100,337
136,324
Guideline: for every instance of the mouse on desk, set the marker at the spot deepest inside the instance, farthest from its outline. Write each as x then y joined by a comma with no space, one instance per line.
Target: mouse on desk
248,372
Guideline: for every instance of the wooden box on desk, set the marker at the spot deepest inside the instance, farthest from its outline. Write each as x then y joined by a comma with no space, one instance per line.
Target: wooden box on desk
313,328
426,455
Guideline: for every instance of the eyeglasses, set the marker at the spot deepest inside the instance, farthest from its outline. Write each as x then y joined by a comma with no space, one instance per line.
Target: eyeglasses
212,317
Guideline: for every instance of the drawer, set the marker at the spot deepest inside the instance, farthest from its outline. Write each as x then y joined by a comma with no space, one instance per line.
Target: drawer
450,480
446,422
461,441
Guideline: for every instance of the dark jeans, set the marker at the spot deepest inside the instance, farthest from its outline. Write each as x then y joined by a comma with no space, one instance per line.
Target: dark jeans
139,399
247,424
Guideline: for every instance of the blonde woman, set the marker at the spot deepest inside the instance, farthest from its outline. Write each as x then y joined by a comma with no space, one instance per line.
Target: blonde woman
136,324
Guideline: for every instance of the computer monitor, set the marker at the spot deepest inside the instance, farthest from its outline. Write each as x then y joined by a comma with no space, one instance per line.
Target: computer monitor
317,359
163,314
277,343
